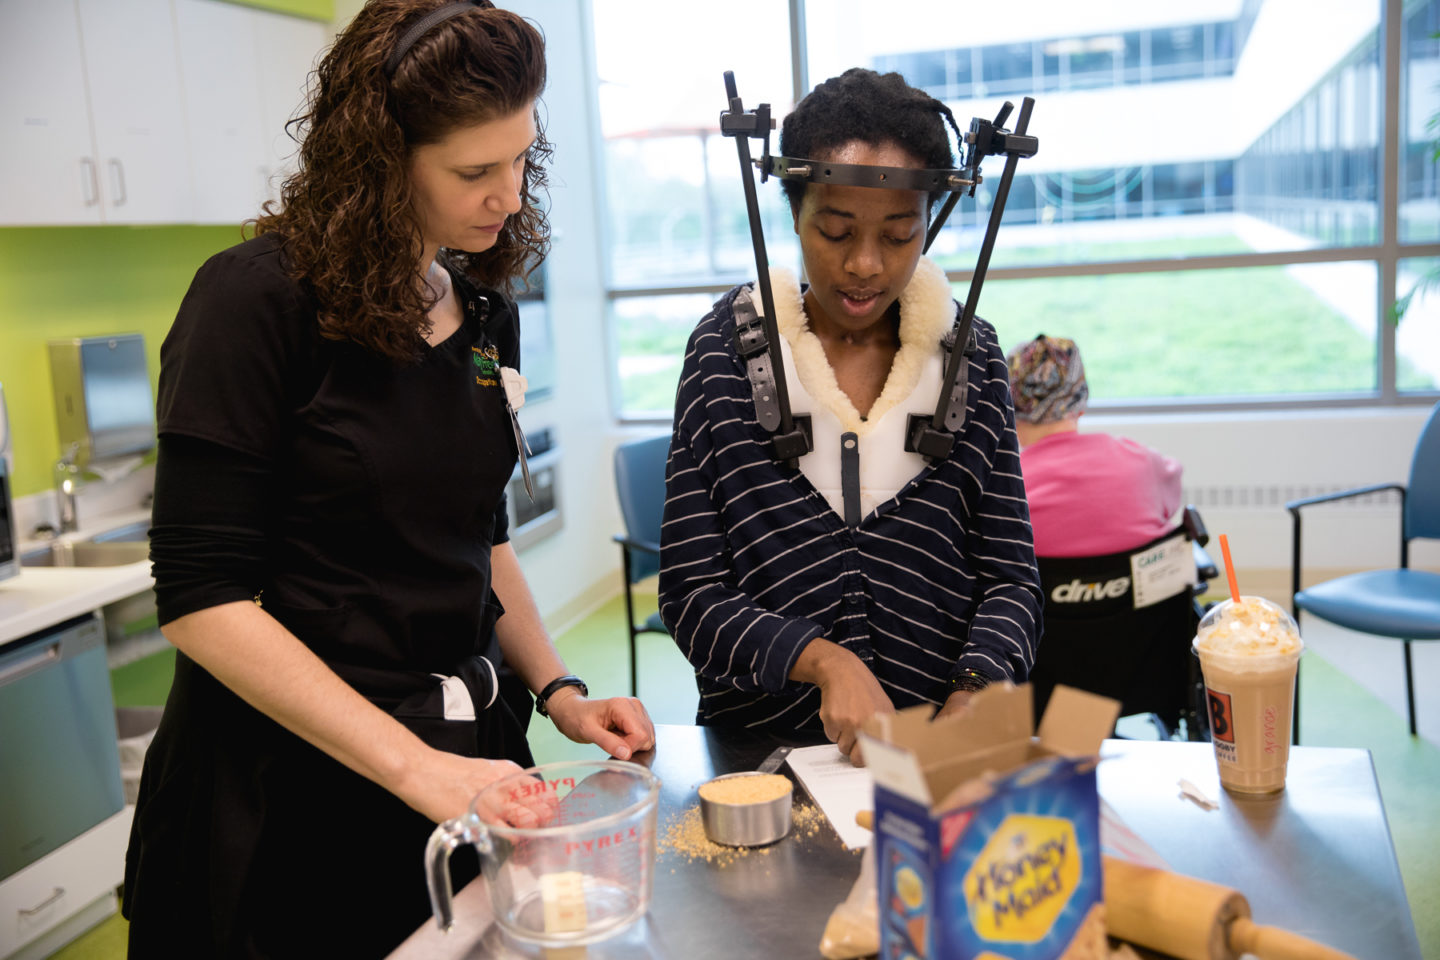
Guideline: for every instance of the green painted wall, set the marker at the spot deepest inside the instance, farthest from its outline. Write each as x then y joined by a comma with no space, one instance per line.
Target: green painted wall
310,9
84,281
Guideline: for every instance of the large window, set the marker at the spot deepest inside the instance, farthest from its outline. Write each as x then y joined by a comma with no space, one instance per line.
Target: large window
675,210
1192,335
1207,216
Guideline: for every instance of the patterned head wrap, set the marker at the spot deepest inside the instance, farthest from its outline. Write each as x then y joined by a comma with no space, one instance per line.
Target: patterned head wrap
1047,380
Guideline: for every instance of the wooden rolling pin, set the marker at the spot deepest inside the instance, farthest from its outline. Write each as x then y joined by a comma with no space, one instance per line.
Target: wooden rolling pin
1186,918
1194,920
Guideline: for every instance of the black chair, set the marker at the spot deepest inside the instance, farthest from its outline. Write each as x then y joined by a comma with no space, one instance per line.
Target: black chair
1097,639
640,487
1397,602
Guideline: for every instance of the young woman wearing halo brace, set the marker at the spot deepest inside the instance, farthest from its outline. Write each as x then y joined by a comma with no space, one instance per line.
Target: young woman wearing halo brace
845,524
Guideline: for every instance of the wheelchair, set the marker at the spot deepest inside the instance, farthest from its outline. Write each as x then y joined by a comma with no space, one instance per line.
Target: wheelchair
1121,625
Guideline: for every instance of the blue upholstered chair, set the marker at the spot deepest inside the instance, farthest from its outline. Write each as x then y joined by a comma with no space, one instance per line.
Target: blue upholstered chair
640,486
1398,602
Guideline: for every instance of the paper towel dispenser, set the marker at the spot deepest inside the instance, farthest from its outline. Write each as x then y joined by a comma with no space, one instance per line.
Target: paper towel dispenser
103,402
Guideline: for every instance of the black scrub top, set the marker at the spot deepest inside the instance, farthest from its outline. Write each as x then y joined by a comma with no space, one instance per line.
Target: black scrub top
383,492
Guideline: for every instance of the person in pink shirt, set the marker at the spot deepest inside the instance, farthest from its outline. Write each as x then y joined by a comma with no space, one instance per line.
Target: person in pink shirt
1090,493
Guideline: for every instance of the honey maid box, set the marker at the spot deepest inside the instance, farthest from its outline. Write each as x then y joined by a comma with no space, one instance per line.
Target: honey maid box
987,831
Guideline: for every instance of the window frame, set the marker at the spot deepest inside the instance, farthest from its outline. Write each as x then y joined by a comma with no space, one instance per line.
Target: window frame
1385,255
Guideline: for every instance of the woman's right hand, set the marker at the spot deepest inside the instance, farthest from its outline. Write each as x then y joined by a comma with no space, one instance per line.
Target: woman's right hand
443,784
848,697
849,692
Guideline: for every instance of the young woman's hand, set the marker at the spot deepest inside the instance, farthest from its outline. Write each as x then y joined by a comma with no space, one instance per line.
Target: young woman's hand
849,692
849,695
620,725
954,703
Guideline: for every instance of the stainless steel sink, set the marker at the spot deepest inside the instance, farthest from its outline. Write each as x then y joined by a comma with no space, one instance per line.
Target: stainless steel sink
125,544
130,625
88,553
132,533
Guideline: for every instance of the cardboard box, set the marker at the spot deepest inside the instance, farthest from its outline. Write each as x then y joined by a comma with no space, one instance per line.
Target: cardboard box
988,837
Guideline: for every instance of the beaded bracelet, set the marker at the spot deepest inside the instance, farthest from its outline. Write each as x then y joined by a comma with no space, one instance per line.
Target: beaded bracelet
970,680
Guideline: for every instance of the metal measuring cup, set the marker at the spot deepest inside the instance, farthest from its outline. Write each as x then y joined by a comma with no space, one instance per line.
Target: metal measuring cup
751,824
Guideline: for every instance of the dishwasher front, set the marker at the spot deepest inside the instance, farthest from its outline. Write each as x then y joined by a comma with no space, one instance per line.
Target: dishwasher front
59,758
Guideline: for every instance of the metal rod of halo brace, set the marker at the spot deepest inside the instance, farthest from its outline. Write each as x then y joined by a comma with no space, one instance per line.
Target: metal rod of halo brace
971,163
934,441
788,442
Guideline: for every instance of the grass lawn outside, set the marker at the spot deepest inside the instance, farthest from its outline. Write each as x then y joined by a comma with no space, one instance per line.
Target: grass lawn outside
1188,334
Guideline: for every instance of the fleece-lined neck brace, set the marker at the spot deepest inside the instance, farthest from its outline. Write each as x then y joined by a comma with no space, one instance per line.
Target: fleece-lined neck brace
926,314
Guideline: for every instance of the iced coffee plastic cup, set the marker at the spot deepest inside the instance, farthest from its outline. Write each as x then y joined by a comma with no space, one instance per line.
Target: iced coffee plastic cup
1248,652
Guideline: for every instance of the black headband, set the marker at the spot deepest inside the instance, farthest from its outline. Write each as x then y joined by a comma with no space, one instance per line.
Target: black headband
860,175
427,23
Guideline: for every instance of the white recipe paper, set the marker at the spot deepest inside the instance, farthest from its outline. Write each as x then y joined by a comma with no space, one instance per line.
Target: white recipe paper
839,788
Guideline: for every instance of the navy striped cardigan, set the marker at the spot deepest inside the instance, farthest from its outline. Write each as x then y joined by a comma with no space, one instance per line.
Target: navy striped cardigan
938,581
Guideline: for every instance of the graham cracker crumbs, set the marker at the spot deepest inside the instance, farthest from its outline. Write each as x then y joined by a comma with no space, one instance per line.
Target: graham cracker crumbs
756,788
683,835
806,821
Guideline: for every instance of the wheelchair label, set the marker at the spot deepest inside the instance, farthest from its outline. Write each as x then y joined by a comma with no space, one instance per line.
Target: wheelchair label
1162,571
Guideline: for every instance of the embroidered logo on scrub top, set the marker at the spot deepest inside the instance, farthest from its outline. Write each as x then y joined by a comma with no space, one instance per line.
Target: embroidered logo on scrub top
487,365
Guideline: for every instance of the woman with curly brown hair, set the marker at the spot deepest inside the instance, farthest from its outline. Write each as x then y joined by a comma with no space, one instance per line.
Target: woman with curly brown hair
336,422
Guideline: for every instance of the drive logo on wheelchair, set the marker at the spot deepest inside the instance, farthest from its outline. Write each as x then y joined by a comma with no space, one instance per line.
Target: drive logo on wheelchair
1077,592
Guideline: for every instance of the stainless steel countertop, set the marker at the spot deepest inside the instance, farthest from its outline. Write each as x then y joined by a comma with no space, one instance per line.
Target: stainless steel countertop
1322,862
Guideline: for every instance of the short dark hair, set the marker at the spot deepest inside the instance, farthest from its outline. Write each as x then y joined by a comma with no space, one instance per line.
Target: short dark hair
874,108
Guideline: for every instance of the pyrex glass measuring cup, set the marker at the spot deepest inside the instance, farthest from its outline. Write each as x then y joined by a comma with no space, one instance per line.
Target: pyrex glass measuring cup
573,860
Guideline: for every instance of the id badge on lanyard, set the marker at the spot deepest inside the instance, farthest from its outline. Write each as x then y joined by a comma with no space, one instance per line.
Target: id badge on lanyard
512,385
522,447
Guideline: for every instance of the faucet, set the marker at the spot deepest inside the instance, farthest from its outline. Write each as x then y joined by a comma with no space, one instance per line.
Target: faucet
68,479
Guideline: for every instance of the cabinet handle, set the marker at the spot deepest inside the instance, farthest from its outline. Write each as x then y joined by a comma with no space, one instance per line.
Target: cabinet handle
89,182
118,170
39,660
59,892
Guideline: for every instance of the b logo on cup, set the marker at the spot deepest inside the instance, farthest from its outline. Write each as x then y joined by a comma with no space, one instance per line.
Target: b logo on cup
1222,723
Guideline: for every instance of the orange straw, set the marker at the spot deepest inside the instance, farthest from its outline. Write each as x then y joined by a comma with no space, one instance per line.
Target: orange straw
1229,568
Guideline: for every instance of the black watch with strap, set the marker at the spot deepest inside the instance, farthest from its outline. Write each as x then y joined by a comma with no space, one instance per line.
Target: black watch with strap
556,685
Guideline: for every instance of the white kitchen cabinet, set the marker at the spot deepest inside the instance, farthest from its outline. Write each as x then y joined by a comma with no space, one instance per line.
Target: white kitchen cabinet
222,109
48,170
133,73
287,49
244,73
146,111
90,102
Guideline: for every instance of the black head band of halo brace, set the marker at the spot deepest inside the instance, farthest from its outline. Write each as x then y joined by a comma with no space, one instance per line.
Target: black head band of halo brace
757,337
861,175
427,23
